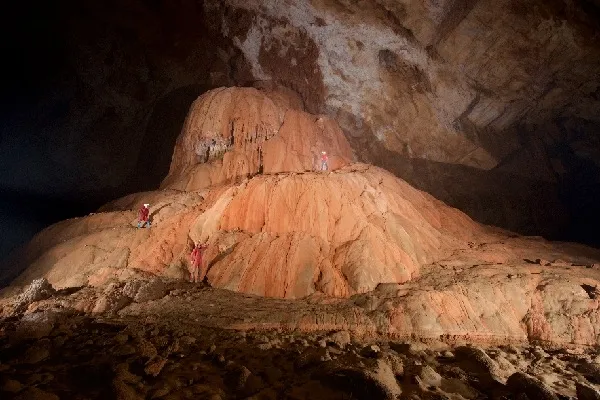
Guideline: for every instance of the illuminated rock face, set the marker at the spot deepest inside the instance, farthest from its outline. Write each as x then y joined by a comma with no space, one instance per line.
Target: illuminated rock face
396,260
340,233
239,132
276,226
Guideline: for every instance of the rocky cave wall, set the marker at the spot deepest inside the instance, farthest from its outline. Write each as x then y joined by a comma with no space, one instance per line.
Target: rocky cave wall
491,106
93,99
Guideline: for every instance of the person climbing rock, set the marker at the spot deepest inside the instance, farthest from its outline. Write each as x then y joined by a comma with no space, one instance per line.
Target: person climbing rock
324,159
144,216
196,262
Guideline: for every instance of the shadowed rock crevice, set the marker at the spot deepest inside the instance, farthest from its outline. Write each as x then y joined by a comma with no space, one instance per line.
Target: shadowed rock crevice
591,291
163,126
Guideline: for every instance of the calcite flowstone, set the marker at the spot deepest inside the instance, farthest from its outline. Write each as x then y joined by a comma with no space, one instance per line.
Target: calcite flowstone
245,176
399,262
236,132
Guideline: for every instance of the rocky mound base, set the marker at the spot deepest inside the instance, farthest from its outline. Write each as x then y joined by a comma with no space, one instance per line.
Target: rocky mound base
55,351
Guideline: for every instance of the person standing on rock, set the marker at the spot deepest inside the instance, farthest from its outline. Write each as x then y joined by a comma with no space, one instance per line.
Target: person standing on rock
324,160
144,216
196,262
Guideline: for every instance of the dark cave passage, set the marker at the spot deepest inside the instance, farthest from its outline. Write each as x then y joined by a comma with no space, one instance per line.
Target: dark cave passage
89,82
22,214
162,129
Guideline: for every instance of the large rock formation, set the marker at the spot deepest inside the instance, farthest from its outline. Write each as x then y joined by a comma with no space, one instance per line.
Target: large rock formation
289,235
399,262
491,106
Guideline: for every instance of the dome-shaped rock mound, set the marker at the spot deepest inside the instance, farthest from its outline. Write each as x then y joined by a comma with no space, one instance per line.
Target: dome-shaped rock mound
341,233
243,177
233,132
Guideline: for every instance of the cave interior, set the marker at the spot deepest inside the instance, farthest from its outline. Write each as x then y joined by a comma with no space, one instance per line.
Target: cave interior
95,93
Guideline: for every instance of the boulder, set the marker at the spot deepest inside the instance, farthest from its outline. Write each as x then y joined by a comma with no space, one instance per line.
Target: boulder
152,290
590,370
480,358
340,338
375,381
39,289
586,392
35,325
428,377
520,382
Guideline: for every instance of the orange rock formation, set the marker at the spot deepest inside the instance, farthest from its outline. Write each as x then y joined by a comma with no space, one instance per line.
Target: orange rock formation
243,178
236,132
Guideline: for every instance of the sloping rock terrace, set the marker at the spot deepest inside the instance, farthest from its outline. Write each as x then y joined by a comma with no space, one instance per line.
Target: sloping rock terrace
277,228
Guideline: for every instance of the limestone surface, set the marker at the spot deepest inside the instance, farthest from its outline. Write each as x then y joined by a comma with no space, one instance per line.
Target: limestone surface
374,255
239,132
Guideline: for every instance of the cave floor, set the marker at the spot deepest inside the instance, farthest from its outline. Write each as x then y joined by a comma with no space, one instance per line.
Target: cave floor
84,357
169,339
209,343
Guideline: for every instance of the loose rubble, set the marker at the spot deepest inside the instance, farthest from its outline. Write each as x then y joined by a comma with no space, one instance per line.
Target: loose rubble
131,354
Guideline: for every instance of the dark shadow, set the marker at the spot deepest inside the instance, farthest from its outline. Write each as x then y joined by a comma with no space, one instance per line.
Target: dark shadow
492,197
68,290
22,214
218,259
580,191
162,129
590,290
564,210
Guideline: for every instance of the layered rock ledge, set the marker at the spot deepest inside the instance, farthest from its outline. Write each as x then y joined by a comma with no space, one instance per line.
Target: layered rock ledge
374,255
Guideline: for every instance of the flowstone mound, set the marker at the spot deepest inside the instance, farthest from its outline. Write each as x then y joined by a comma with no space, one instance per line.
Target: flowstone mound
285,235
236,132
376,255
243,177
339,233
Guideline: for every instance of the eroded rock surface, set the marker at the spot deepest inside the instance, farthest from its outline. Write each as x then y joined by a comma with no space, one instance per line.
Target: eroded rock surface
189,350
379,256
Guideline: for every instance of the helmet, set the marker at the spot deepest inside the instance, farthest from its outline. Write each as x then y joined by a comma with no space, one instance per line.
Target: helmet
323,152
146,205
